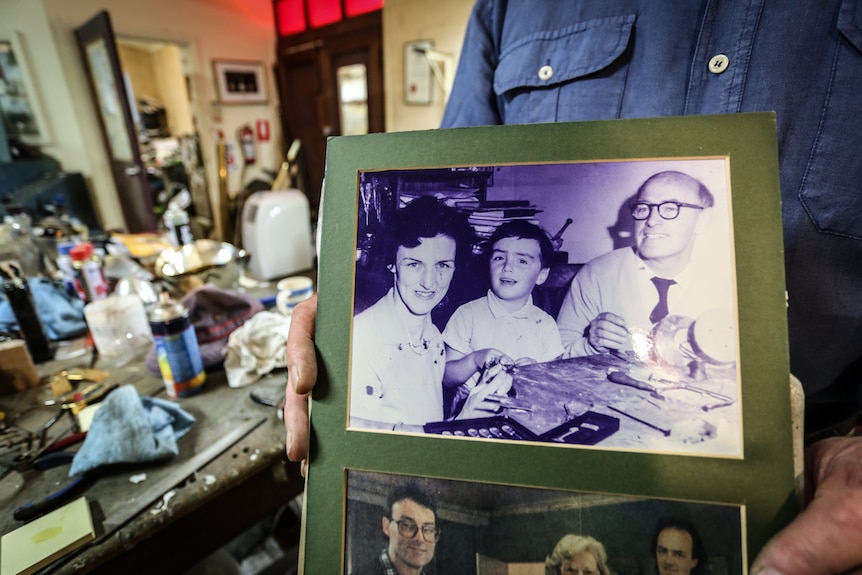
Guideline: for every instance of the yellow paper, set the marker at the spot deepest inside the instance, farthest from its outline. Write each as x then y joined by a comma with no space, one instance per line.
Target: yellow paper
42,541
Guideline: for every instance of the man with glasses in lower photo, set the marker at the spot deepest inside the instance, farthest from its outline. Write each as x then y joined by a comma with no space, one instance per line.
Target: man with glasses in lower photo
617,298
410,524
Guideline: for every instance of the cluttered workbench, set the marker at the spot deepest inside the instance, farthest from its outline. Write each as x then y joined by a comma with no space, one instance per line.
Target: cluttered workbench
230,470
615,401
656,410
141,382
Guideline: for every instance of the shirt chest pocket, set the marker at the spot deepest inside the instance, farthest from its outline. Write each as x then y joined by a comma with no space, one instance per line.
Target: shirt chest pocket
831,189
572,73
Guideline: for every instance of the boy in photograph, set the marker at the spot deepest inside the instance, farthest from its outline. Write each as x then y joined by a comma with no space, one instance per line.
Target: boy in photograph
504,326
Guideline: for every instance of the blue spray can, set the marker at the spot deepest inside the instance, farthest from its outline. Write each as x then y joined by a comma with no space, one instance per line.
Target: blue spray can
177,350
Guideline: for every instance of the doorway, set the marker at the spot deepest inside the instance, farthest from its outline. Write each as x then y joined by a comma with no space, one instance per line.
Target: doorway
330,82
158,85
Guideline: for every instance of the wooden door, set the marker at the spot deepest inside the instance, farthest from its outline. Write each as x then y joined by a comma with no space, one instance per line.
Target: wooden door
307,72
108,89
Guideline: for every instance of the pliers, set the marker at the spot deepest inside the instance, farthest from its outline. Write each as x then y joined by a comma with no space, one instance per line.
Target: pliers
49,458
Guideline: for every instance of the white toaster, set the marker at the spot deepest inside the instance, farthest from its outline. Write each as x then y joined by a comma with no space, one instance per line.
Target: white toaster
276,232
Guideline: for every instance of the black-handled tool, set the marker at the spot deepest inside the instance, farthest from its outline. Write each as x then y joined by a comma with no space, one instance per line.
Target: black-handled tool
30,511
622,378
662,430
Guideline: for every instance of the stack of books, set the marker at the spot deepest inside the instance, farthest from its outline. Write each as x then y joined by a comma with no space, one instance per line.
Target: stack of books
486,216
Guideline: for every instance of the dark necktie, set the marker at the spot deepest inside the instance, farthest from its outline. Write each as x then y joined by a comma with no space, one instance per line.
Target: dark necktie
660,309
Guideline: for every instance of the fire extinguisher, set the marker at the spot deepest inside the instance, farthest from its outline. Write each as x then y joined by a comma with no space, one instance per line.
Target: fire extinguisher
246,141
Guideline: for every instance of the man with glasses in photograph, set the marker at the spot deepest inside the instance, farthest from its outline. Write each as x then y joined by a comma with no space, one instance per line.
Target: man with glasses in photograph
410,524
617,298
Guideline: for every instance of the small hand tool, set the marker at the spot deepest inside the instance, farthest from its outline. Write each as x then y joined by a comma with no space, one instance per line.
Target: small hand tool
665,432
622,378
92,394
48,458
717,405
510,402
277,404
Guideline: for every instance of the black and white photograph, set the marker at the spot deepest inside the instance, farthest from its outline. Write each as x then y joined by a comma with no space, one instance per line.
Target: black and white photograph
580,304
398,524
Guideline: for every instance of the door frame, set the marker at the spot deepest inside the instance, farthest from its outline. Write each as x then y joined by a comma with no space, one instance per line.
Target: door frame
129,174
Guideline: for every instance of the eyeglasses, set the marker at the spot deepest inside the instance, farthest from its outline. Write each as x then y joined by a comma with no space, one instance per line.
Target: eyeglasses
667,210
408,529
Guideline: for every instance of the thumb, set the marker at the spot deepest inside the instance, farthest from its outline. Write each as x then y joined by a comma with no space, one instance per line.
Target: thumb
825,538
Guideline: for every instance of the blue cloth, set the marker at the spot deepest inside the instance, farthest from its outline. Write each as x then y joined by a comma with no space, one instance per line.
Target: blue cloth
525,62
62,315
129,428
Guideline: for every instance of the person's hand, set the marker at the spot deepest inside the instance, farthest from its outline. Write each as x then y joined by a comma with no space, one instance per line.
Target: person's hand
301,377
494,381
825,538
608,332
492,357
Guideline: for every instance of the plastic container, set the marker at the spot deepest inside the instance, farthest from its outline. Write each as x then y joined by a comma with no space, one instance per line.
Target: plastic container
119,327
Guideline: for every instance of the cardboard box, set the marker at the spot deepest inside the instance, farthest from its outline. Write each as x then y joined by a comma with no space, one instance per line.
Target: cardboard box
17,371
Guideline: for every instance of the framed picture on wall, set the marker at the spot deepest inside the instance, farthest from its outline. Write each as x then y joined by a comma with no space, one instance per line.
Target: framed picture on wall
20,109
561,306
240,82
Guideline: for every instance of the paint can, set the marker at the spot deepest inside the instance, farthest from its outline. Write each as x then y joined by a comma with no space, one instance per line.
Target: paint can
177,350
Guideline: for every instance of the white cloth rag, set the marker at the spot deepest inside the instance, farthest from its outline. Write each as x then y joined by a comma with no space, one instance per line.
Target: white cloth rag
256,348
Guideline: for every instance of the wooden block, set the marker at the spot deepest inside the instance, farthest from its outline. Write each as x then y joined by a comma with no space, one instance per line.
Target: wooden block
17,371
46,539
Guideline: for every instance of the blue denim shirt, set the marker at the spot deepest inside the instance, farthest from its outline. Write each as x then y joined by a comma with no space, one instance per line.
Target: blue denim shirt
555,61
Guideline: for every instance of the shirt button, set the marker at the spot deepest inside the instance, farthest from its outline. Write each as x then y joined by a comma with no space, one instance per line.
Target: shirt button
718,63
545,73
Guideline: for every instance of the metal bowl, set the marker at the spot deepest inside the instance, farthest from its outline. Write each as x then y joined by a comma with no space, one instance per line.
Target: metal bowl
213,262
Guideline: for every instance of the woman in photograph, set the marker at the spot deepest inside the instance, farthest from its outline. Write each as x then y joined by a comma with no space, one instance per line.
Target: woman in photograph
577,555
398,355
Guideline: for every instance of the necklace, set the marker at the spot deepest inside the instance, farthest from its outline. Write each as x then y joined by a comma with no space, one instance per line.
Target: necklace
421,348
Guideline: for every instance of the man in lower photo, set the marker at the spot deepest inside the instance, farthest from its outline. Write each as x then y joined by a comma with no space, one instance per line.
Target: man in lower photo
678,548
410,524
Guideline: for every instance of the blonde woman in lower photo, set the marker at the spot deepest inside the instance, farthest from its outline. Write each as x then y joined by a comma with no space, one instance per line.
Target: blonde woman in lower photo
577,555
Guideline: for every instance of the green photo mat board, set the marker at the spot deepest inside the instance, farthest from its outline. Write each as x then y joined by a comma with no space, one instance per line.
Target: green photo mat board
748,143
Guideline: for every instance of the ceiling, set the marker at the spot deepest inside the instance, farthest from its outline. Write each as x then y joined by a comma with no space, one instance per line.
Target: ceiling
473,502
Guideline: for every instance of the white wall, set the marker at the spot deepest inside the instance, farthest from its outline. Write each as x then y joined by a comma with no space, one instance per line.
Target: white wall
443,22
68,142
210,29
595,195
